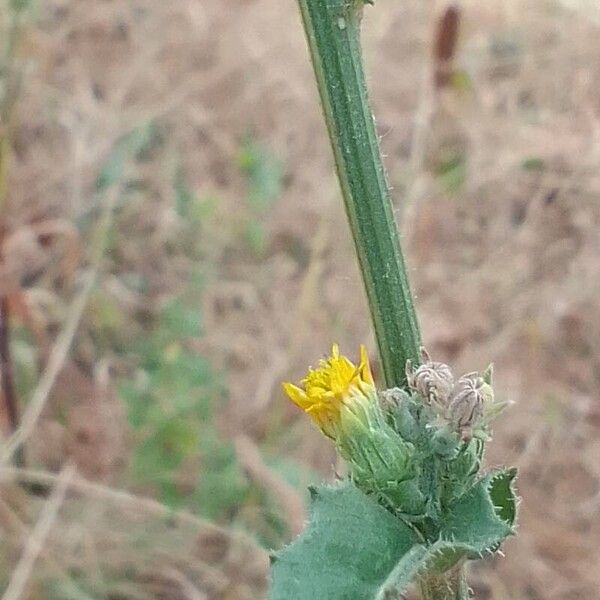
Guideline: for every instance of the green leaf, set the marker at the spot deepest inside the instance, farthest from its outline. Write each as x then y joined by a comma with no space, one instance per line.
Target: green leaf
355,550
256,236
19,5
452,173
420,559
478,522
128,147
404,572
484,516
184,197
533,163
263,172
348,550
179,320
222,484
163,452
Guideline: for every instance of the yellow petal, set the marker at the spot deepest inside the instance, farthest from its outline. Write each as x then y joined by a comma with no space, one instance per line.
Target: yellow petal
297,395
364,366
336,384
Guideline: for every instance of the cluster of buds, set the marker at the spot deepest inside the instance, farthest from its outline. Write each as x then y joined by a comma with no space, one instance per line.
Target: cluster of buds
388,439
466,404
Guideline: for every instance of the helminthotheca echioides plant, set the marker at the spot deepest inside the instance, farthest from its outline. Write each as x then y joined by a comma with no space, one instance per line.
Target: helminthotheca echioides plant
415,505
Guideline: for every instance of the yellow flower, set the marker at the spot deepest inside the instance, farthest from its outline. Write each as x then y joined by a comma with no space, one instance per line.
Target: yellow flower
334,386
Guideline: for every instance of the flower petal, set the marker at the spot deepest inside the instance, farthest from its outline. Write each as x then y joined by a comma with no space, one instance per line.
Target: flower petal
336,385
364,366
297,395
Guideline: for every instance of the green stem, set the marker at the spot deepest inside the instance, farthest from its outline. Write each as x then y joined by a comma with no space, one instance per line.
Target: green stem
333,32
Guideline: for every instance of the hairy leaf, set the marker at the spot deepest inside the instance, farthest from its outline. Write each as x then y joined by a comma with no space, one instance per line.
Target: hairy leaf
477,524
348,550
485,515
420,559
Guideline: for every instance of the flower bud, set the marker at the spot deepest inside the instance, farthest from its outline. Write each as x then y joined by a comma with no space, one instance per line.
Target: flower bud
467,401
433,381
444,443
397,404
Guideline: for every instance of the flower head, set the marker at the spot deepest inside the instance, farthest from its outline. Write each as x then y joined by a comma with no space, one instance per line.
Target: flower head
342,400
337,390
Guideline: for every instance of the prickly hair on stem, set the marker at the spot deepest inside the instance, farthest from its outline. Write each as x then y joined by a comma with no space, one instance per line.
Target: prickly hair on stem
333,34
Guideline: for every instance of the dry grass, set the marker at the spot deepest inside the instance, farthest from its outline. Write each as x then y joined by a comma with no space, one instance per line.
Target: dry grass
505,268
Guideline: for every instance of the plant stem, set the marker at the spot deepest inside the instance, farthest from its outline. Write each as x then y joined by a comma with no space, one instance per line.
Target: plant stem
7,386
451,585
333,32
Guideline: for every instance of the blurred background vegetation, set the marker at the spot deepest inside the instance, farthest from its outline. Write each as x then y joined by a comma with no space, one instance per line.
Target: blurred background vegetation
173,245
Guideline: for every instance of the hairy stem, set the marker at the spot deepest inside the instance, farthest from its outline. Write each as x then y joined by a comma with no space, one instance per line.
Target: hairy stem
332,29
333,32
451,585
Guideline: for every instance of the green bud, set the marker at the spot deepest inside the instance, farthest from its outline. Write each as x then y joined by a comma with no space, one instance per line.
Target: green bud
405,497
445,443
398,405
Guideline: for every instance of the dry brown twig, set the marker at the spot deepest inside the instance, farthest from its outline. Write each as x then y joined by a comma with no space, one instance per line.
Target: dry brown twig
10,520
56,361
35,544
60,350
7,389
81,485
